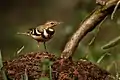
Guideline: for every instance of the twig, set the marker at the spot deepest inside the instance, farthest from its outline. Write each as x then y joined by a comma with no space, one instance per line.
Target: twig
1,66
19,51
112,15
101,57
112,43
117,72
97,31
86,26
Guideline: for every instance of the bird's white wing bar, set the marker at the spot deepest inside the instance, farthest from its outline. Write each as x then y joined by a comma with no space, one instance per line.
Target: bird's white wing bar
45,33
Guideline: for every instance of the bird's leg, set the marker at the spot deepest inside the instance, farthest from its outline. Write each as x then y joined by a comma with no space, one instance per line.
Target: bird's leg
38,44
45,47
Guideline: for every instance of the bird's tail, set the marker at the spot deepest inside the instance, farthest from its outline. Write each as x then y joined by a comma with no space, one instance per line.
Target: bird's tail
24,33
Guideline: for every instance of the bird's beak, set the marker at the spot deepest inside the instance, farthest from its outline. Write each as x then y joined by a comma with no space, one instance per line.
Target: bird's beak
60,22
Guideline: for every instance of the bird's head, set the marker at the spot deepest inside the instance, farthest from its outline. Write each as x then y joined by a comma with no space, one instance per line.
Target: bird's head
51,24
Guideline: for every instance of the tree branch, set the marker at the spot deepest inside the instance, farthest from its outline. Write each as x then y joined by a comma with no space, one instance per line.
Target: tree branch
88,25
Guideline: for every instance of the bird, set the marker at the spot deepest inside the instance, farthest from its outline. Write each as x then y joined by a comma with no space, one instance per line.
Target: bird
42,33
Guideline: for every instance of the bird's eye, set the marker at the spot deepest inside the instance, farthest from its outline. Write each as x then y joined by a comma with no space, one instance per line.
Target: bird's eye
52,23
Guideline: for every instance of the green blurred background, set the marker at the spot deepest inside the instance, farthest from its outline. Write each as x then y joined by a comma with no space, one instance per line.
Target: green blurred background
20,15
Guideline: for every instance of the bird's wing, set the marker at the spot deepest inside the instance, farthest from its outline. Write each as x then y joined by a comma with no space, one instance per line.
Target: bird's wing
41,28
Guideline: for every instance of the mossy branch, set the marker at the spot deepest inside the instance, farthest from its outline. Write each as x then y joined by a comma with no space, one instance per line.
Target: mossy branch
96,17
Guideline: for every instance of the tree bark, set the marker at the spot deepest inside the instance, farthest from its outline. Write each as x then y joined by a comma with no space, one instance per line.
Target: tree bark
97,15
